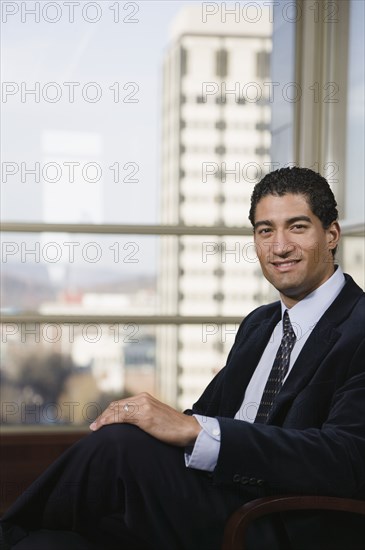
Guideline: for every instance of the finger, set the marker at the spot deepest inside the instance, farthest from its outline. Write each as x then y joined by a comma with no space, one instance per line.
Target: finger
129,409
108,416
116,413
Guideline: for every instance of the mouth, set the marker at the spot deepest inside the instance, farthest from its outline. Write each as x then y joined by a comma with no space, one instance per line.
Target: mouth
285,265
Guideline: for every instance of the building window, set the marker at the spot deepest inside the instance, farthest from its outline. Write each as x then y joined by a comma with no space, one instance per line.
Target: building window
263,65
222,63
184,61
262,126
221,124
262,151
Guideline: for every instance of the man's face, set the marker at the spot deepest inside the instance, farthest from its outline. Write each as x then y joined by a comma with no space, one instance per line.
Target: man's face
293,248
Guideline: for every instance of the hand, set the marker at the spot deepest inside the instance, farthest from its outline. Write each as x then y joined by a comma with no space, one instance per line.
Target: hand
152,416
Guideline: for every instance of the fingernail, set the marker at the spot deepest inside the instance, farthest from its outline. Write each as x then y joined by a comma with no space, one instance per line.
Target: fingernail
93,426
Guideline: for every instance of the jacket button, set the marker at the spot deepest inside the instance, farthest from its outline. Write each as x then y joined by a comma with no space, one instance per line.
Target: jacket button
260,482
244,480
236,478
252,481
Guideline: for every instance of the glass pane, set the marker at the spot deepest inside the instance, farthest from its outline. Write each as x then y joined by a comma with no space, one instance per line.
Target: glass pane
80,110
355,167
202,352
219,276
354,258
104,120
74,274
283,77
66,374
97,93
69,274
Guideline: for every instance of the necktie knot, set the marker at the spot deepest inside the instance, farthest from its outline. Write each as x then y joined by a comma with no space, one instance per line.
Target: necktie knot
288,331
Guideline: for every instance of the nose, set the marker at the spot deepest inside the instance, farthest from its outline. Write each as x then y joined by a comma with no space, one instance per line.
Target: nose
282,246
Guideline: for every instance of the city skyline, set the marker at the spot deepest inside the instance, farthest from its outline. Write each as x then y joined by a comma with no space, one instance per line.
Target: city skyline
91,170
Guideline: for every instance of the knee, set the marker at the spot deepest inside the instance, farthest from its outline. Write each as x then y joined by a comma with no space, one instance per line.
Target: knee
111,432
118,439
127,443
124,445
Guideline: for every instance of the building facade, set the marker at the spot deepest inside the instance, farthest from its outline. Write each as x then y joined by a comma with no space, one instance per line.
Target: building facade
215,147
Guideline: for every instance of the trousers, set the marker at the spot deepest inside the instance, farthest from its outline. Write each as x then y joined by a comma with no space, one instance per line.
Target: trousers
120,488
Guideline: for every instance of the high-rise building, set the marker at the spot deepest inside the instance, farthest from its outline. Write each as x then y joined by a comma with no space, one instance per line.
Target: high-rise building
215,146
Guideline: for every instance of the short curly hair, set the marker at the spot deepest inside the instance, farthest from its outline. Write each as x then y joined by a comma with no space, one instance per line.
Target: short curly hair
299,181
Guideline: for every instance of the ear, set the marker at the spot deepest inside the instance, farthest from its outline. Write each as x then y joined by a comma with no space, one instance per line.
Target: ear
333,235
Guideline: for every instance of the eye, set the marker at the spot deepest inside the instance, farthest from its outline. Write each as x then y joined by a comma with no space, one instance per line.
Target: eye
299,227
265,231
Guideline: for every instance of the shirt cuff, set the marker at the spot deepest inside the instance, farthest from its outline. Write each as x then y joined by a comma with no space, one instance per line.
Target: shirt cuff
204,454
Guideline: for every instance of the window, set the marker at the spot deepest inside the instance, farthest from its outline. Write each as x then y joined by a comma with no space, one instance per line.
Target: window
221,124
354,207
184,61
355,166
304,130
222,63
263,65
98,292
282,71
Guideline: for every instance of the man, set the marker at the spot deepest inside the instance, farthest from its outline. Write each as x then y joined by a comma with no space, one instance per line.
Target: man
285,415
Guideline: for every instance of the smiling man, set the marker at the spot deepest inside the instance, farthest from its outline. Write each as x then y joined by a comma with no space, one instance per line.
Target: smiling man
285,415
296,232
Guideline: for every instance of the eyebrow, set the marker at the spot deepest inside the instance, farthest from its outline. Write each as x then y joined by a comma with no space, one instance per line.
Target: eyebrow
288,222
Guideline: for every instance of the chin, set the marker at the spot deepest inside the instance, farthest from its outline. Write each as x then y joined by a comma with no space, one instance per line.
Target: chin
294,291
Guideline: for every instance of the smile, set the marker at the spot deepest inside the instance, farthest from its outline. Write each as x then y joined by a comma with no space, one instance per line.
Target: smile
283,266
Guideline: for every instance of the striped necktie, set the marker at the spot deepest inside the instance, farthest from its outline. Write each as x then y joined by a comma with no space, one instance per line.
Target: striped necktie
278,371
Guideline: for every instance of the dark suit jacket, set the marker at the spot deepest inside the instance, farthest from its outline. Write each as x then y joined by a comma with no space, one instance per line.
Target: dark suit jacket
314,440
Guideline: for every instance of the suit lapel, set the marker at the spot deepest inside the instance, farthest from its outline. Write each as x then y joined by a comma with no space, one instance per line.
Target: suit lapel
318,345
245,359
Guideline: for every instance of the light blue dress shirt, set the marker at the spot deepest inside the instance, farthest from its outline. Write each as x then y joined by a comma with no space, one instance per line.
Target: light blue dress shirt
303,317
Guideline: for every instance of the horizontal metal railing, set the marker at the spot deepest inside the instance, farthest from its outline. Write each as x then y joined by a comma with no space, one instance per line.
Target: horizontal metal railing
122,319
349,228
118,229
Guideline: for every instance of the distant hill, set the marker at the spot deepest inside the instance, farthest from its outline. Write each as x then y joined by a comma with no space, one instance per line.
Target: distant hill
25,287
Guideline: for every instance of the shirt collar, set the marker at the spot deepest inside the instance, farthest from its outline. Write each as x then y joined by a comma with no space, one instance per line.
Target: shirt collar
306,313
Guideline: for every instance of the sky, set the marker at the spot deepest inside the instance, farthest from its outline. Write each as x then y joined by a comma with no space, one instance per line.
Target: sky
114,70
111,127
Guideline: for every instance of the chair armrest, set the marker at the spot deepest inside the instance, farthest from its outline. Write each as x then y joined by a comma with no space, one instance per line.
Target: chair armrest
237,524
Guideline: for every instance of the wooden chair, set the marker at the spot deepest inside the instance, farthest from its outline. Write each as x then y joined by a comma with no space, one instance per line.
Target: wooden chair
234,534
